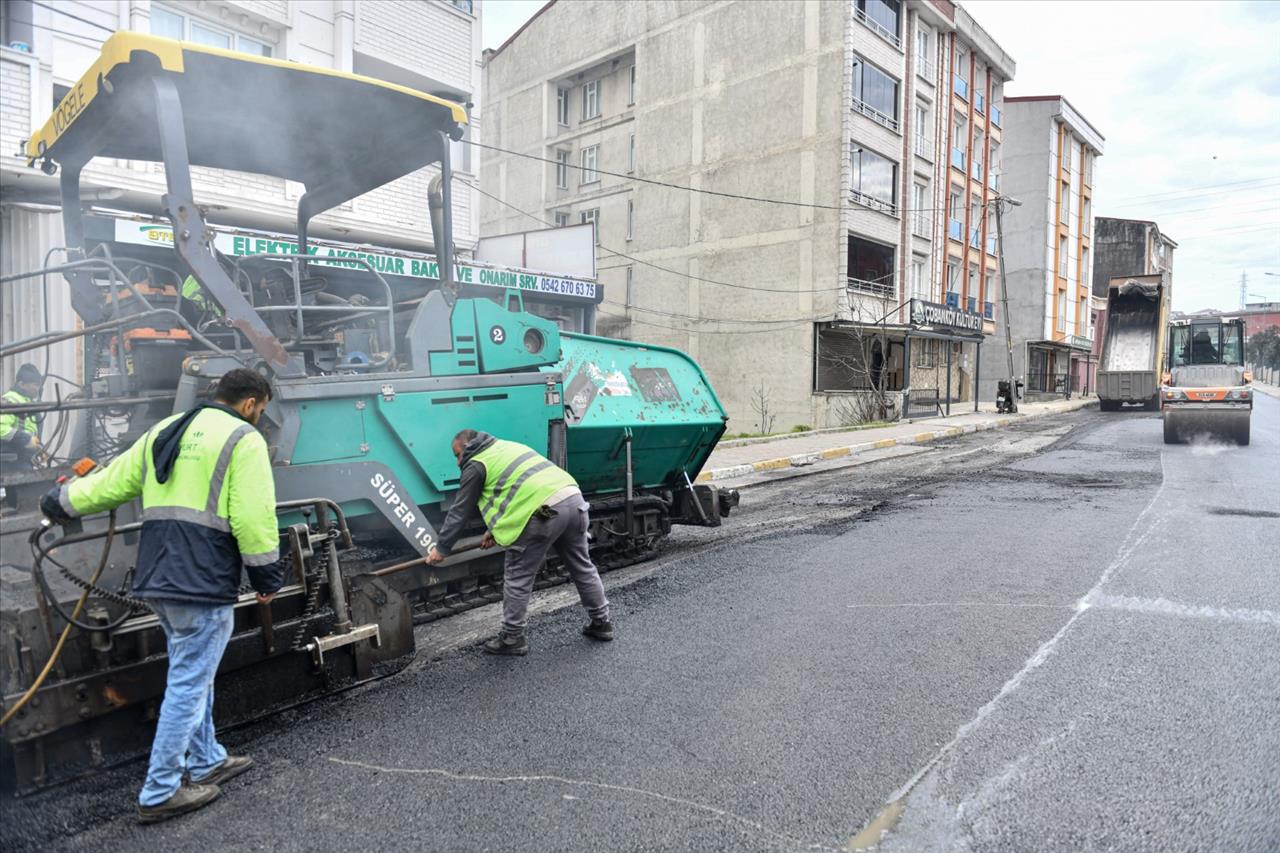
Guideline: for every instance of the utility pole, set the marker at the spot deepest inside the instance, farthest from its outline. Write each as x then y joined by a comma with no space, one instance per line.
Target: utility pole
1004,295
1244,289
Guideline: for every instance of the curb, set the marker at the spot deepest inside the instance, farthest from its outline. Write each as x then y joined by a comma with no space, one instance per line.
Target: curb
802,460
1269,390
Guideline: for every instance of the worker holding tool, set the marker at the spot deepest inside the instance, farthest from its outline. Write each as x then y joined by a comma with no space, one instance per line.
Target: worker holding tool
20,434
208,511
530,505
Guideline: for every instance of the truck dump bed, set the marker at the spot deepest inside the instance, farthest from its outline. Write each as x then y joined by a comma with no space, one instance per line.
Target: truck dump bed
1132,350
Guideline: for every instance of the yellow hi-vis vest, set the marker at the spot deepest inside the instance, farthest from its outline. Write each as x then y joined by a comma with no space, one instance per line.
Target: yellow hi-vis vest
517,480
11,425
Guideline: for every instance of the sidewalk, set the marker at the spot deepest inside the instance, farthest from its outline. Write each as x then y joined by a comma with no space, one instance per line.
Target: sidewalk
1269,390
743,457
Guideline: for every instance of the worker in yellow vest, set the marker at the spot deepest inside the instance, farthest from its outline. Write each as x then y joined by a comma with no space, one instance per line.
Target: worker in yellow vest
20,434
208,513
530,505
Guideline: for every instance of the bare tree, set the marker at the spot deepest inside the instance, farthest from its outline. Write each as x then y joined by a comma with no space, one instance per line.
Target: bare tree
856,359
760,405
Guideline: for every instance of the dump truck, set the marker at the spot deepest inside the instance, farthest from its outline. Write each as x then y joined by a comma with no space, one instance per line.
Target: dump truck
1206,391
1132,358
372,377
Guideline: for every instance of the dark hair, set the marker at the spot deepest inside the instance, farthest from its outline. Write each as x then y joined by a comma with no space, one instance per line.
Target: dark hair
241,384
465,436
28,374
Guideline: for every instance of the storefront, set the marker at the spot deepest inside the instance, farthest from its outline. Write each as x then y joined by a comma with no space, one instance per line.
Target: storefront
942,357
1060,368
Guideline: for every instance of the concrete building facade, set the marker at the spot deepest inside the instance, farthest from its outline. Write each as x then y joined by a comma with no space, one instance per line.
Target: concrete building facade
771,183
432,46
1050,166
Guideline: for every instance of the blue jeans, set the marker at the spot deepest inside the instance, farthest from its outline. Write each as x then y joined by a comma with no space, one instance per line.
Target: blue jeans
197,636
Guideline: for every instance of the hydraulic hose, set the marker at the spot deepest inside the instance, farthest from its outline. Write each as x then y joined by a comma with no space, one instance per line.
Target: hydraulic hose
66,631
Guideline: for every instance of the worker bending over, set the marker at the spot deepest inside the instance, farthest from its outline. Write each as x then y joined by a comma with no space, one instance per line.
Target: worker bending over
530,505
208,510
20,434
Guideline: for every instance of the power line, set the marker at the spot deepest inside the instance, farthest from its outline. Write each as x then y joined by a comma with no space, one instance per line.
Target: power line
616,253
898,211
92,40
73,17
1192,192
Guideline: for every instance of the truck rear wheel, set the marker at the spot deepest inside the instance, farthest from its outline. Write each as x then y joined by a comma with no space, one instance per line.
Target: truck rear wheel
1152,405
1109,405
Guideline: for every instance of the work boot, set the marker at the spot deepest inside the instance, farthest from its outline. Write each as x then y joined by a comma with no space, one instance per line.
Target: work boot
230,768
507,643
599,629
187,798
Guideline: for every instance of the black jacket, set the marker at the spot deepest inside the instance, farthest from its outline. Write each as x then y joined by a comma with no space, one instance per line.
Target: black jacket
466,499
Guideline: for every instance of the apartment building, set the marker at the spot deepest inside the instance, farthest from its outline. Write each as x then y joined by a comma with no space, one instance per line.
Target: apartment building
1050,166
432,46
772,185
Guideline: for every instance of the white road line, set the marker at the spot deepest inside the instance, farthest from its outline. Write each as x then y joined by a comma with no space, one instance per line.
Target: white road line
604,786
1165,607
964,604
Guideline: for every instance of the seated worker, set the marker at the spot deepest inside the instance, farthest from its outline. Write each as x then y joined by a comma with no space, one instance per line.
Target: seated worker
19,434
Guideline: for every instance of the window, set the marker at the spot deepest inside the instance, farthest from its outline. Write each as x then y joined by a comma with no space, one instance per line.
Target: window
988,286
1084,264
993,165
971,286
959,137
1065,212
924,56
874,180
962,63
924,139
590,163
955,205
953,276
591,100
1086,217
1062,256
562,107
1062,311
921,221
919,284
176,25
631,218
630,294
875,94
631,154
926,352
562,169
1066,149
882,17
631,86
562,219
979,146
1088,169
591,215
870,267
1082,317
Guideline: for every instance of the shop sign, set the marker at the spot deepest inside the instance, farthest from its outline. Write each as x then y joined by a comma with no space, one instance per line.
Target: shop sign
932,314
1080,343
388,263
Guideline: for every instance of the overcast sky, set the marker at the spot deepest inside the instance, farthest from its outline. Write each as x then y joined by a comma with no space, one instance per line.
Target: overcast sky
1188,98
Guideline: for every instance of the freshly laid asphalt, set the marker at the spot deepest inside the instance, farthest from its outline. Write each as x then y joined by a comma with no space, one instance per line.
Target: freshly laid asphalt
1063,635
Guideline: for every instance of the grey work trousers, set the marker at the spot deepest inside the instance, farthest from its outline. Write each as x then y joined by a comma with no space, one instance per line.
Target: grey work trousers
566,532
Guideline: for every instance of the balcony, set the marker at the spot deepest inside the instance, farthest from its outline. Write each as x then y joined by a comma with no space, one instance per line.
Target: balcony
995,115
955,229
991,244
873,202
922,225
924,68
973,305
953,299
961,87
979,102
884,288
875,115
957,158
924,146
988,311
975,238
878,28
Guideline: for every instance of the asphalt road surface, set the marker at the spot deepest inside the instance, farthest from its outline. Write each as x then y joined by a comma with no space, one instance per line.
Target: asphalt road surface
1058,636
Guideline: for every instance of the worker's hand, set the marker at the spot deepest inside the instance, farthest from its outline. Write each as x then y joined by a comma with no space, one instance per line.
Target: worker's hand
51,506
265,598
434,557
487,541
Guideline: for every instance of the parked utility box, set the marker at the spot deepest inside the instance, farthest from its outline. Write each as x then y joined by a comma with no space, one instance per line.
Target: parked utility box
1133,349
